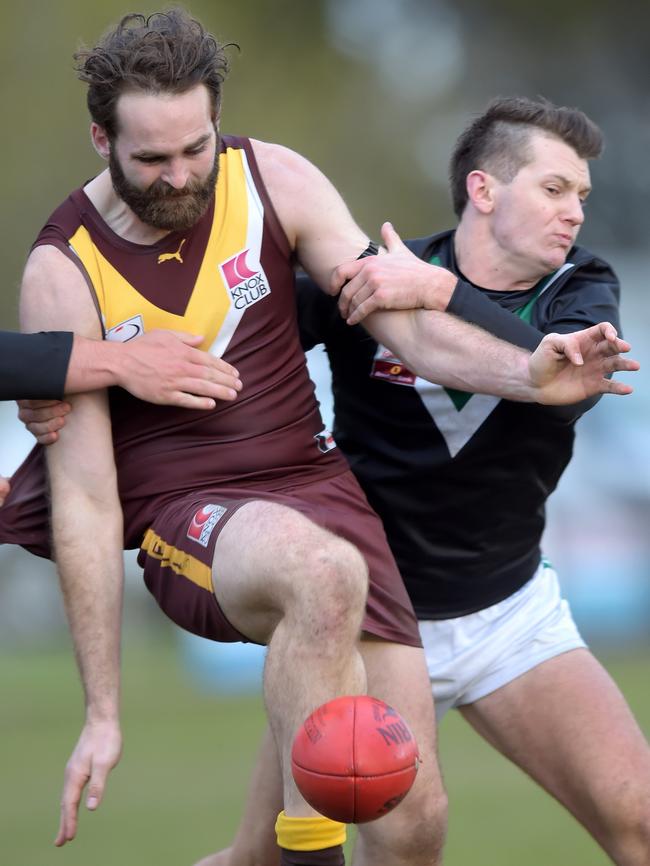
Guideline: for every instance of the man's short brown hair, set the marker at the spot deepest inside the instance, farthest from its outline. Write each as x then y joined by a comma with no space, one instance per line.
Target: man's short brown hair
499,140
167,52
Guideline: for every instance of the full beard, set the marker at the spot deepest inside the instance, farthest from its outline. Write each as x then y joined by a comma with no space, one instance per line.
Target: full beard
162,206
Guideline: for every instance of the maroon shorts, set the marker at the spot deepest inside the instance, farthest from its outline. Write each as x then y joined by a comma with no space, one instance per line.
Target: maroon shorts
178,549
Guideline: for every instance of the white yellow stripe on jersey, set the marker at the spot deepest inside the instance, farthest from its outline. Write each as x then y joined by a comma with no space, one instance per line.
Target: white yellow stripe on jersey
253,249
236,229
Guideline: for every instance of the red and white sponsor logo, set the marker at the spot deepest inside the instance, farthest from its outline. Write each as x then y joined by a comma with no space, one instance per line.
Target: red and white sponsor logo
325,441
245,279
386,366
203,522
126,330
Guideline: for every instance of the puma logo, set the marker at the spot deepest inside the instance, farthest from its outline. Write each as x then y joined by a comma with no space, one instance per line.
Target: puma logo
167,257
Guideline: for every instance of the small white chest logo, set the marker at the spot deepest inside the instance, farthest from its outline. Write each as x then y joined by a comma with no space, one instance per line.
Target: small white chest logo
126,330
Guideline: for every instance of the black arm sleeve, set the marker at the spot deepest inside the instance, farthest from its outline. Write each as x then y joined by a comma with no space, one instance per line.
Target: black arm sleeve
473,306
34,366
589,296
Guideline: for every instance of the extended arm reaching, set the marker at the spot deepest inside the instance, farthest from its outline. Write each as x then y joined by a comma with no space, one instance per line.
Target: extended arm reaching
87,535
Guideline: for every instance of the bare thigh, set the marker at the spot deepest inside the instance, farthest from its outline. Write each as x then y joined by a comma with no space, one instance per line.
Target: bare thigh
568,726
270,559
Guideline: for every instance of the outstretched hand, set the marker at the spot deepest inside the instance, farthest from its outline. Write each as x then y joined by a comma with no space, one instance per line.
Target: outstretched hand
398,280
161,367
164,367
568,368
96,753
4,489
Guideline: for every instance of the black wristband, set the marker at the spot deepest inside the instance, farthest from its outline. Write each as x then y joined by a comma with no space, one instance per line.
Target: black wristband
371,250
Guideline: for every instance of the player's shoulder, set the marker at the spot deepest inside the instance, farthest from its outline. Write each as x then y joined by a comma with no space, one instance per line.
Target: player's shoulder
284,170
430,245
278,155
588,265
62,223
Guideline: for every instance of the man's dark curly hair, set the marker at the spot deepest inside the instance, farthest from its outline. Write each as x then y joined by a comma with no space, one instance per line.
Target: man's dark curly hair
167,52
499,140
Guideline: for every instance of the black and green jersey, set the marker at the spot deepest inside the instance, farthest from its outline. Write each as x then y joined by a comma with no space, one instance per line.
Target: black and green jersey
460,480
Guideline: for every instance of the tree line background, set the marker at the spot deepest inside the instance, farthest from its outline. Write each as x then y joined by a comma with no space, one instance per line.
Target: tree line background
373,91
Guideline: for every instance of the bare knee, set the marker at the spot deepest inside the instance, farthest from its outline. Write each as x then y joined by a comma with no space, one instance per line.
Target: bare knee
272,564
413,834
629,826
329,594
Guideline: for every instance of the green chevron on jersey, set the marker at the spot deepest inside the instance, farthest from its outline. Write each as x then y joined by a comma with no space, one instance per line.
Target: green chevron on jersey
458,414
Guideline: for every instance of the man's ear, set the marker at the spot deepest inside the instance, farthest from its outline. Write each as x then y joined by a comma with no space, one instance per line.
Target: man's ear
480,191
100,140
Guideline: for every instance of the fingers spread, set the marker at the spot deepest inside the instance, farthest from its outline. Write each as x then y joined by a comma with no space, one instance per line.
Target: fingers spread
614,387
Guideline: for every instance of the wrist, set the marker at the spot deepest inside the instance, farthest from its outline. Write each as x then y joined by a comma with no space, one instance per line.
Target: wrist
437,294
93,364
111,359
103,712
532,391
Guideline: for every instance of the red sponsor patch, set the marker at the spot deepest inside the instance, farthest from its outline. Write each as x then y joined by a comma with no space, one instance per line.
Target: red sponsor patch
236,270
203,522
245,278
387,366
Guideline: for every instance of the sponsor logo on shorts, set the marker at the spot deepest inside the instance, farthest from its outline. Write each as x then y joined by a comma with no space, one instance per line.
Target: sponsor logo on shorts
203,522
245,278
325,441
126,330
386,366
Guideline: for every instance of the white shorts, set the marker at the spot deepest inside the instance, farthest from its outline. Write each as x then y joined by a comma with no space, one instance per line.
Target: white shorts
470,656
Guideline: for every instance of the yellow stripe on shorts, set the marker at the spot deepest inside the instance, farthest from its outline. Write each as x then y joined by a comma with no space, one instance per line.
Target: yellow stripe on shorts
179,561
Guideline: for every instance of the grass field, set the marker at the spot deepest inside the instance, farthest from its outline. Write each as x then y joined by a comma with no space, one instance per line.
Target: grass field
177,792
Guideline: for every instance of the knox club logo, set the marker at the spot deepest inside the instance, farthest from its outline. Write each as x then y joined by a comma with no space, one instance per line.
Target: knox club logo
245,279
203,522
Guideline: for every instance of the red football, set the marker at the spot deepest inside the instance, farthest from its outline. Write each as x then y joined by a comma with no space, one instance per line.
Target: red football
354,759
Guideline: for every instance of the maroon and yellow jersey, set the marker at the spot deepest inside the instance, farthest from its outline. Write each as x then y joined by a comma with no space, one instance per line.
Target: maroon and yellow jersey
230,278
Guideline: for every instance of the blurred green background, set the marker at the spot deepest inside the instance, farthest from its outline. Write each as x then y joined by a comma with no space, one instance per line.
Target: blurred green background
374,92
177,792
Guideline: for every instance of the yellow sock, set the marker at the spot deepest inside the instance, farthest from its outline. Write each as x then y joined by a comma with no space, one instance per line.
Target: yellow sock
308,834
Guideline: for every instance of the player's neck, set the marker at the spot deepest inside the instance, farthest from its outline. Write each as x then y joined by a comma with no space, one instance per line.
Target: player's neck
117,215
484,263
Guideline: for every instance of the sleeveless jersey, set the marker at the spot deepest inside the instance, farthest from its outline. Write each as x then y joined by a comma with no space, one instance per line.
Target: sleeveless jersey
459,480
230,277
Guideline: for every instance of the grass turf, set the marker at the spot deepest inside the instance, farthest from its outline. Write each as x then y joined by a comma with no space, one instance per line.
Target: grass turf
177,792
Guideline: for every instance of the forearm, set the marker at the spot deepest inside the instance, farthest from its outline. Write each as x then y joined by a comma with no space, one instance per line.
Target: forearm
88,551
93,364
88,539
442,349
471,305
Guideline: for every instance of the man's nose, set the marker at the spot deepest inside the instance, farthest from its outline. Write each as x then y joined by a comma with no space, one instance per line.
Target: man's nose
176,175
